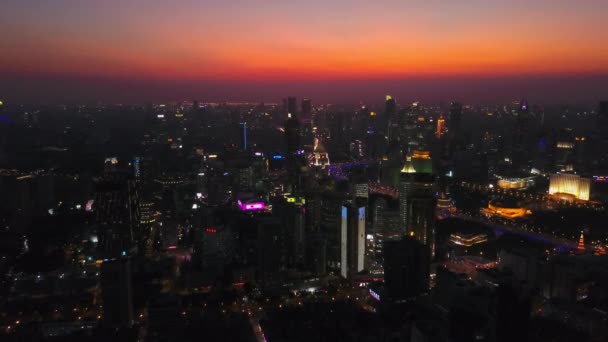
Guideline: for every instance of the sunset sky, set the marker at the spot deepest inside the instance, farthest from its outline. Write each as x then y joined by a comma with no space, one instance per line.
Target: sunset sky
282,41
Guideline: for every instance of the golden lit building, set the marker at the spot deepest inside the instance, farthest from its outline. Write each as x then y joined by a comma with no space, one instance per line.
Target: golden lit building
440,124
468,240
505,210
445,206
319,155
570,184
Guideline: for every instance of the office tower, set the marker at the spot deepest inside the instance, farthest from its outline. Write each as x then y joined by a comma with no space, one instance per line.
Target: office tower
406,268
214,244
270,250
409,134
137,170
293,214
316,253
390,108
306,108
294,154
602,115
292,134
454,121
521,135
439,129
243,136
116,289
454,118
291,105
352,240
417,204
116,208
569,187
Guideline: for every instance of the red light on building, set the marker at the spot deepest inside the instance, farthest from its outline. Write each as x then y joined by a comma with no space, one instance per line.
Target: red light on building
211,230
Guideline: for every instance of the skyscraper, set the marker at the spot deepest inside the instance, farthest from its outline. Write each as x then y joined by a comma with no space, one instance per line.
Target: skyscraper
602,113
116,208
352,240
454,120
406,268
440,124
117,293
306,108
243,136
417,204
390,108
295,157
455,117
291,105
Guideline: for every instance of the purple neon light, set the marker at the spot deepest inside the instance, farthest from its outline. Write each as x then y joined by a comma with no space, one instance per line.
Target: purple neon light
252,206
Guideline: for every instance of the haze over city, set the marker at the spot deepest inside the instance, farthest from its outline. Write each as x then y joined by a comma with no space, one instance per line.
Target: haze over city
295,171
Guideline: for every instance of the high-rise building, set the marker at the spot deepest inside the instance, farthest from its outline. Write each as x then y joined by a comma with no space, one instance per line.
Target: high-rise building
306,108
569,185
116,208
406,268
390,108
292,134
291,105
316,253
454,121
117,295
422,162
352,240
417,205
270,250
439,129
294,154
455,117
243,136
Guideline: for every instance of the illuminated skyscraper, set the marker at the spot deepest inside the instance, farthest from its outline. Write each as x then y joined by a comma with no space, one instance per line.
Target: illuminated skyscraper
439,130
417,204
116,209
243,136
352,240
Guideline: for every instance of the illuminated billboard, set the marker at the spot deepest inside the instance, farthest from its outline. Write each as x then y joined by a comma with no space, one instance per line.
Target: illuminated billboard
252,206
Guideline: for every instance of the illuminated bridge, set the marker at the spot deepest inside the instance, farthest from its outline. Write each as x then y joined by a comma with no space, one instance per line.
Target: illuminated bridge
340,170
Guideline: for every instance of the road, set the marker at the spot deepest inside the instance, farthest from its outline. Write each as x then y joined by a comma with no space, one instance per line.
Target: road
519,231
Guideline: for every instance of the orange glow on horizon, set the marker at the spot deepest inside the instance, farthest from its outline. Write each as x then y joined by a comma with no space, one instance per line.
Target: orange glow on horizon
282,41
